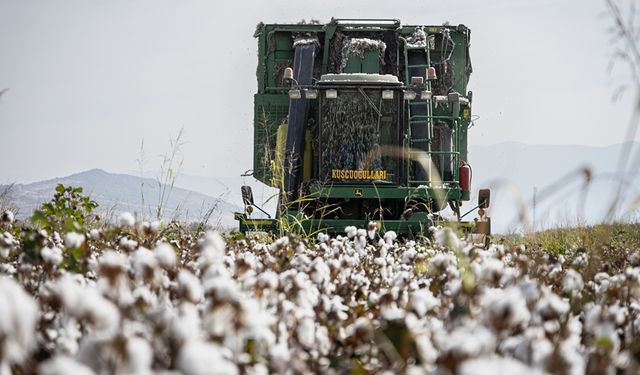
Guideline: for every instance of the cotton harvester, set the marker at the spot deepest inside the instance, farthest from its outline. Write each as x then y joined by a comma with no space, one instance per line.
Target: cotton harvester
360,121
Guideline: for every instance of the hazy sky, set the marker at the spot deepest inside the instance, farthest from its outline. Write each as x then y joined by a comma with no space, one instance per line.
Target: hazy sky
90,79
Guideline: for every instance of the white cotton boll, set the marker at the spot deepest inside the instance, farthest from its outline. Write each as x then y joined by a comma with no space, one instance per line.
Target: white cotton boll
408,256
94,233
201,358
505,308
361,329
59,365
111,260
389,237
306,332
155,226
322,339
73,240
143,261
550,305
440,263
166,255
6,244
268,280
222,289
280,243
392,312
423,301
139,356
18,316
86,303
467,341
351,231
320,271
323,237
126,219
280,355
489,271
189,286
372,229
51,255
496,365
572,283
128,244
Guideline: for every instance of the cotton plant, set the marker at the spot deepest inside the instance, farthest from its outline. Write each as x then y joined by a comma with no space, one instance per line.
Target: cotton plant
145,301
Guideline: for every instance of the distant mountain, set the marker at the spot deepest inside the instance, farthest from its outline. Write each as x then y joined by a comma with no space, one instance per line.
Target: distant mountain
121,192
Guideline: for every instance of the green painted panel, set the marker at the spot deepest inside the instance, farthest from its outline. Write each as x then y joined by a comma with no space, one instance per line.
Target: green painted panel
354,65
371,62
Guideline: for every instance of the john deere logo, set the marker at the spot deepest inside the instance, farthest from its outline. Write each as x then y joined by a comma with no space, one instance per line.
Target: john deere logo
357,192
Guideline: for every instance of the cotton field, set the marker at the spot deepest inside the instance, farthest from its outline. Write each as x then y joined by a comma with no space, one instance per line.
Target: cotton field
143,298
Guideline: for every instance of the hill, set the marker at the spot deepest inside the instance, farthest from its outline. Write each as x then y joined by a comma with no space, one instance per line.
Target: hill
122,192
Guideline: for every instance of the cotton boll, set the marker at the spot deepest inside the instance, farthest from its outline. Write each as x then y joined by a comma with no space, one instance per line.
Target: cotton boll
306,332
200,358
127,244
408,256
467,341
280,355
222,289
6,244
94,234
189,286
18,317
351,231
423,301
126,219
73,240
139,356
59,365
572,283
166,255
212,249
389,237
496,365
51,255
550,306
86,303
144,263
111,263
505,308
372,229
323,237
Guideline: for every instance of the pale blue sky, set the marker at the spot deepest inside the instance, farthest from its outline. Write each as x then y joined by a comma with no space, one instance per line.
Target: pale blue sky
89,79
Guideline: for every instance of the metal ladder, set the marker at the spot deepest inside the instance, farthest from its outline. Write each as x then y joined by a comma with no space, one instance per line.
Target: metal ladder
420,129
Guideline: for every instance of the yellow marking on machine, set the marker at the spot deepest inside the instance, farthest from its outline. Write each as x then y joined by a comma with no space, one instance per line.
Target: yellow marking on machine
258,222
350,174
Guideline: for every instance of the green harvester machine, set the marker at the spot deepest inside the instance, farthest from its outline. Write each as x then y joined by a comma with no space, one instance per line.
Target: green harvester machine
359,121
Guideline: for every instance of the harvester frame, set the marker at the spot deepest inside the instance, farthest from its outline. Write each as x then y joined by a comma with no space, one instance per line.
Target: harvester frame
409,77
